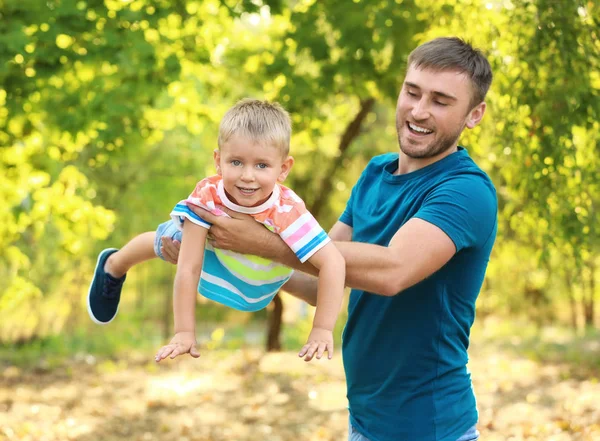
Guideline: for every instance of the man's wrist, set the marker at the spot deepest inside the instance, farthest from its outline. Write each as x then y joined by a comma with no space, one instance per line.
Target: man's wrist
274,246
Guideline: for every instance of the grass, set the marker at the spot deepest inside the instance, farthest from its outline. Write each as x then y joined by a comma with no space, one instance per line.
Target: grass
552,344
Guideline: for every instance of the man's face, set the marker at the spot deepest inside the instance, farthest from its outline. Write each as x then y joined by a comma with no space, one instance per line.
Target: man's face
433,109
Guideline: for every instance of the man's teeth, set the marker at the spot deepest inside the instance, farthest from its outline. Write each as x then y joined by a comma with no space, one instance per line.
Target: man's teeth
419,129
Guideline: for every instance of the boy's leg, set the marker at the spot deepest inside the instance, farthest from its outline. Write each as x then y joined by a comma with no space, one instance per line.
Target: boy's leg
137,250
110,273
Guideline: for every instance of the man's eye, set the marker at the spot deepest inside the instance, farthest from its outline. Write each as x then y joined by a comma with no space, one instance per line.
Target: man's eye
411,93
439,103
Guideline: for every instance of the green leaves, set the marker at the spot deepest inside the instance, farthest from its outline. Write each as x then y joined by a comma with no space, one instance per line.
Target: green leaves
109,108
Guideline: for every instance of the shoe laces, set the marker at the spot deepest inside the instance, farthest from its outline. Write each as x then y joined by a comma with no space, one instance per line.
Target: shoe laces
111,287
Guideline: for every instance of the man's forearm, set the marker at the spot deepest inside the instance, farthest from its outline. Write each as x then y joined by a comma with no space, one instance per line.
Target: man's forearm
370,268
276,249
303,286
416,251
367,267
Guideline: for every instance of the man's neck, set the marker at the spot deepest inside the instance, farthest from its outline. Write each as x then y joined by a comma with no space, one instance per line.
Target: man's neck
406,164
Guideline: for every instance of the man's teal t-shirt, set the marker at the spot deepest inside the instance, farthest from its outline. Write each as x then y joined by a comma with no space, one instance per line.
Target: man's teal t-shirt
405,356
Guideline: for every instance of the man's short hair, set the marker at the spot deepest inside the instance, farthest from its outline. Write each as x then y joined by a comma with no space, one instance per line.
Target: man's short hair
259,121
454,54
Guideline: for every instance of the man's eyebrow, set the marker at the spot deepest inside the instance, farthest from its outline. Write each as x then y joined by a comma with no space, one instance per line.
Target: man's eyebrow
440,94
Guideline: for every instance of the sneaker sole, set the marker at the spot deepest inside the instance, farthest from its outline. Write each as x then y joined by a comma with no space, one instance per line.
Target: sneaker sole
89,307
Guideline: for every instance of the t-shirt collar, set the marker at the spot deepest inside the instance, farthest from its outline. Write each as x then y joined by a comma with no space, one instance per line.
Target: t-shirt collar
391,167
246,210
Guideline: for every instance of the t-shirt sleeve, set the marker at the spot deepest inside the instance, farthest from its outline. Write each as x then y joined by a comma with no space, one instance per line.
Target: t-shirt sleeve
347,215
203,196
465,208
301,231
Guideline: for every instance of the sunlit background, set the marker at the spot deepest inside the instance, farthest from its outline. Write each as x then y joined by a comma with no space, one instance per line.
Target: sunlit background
108,117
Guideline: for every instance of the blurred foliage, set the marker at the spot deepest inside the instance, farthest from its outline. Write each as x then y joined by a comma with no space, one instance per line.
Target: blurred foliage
109,113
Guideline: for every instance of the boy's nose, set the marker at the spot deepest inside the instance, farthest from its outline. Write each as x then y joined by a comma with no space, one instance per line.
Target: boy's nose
247,175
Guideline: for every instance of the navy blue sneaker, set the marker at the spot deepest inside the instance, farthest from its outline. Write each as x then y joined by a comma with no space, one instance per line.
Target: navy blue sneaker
105,291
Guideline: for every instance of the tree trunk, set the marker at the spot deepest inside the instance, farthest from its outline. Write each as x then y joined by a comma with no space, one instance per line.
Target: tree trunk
350,134
572,301
588,301
274,323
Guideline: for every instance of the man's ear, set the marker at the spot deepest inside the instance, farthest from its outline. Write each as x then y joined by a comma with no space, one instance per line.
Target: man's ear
286,166
475,115
217,159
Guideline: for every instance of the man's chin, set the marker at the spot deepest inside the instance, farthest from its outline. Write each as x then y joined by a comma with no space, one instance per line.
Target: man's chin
416,152
425,151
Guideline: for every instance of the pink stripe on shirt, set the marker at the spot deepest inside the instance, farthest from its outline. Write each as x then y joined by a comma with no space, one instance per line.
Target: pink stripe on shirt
301,232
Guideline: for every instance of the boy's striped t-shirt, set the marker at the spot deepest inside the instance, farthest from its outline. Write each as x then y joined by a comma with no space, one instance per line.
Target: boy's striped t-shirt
244,281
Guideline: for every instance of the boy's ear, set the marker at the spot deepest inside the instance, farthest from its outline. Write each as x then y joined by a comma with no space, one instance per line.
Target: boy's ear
217,159
286,166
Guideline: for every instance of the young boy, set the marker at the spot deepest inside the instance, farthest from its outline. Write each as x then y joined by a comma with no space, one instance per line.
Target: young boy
252,161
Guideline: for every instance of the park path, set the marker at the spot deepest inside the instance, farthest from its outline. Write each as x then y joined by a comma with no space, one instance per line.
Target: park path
248,395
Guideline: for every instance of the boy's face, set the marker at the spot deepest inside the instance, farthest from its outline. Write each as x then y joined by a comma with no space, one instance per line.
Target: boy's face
250,170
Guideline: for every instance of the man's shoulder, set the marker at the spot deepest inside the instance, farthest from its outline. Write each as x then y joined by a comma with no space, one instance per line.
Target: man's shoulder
376,166
467,172
382,159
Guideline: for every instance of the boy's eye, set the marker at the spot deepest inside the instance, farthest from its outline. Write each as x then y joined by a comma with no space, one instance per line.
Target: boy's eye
236,163
261,165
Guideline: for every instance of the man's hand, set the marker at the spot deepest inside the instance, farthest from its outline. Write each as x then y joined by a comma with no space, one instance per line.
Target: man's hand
181,343
170,249
319,341
240,232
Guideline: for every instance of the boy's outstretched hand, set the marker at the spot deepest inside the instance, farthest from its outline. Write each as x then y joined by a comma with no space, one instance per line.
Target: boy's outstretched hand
319,341
182,343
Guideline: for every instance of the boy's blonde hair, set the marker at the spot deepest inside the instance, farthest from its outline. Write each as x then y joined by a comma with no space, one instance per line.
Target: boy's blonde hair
260,121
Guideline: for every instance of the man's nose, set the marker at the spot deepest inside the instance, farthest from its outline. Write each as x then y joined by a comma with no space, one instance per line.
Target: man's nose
420,110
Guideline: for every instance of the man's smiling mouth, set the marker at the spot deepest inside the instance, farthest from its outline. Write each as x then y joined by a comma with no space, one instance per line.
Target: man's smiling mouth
418,129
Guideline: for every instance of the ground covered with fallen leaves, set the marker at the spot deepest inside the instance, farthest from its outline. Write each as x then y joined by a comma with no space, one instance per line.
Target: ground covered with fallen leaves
248,395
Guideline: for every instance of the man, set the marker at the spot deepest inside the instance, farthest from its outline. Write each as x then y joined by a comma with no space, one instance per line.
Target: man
416,235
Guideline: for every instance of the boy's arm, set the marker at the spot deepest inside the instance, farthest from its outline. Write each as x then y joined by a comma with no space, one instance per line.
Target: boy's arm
330,285
185,292
330,291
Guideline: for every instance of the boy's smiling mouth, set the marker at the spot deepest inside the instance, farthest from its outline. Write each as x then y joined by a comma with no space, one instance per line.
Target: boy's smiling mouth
247,191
